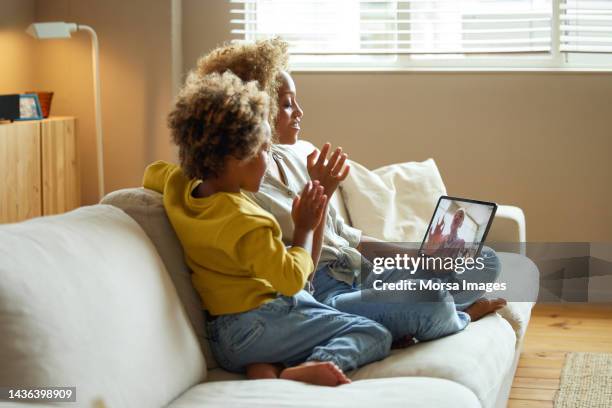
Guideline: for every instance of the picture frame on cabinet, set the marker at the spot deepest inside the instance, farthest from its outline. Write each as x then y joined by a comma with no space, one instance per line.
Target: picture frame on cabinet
29,107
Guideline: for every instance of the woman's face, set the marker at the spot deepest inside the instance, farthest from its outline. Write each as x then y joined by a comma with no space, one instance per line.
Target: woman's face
289,112
458,220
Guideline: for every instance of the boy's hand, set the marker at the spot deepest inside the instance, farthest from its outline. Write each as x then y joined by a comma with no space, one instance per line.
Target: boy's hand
330,173
308,207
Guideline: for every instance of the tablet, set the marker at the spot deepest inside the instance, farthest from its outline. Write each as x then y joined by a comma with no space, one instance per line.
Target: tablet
458,227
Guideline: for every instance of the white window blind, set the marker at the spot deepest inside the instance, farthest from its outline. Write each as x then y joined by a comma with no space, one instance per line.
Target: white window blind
410,30
398,27
586,26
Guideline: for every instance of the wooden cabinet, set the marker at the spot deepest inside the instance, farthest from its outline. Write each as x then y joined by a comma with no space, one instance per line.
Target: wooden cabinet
39,173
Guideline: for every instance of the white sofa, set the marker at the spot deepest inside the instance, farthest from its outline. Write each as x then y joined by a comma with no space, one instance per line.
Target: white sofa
100,298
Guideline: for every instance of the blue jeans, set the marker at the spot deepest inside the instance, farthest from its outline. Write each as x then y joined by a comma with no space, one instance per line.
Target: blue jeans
426,316
291,330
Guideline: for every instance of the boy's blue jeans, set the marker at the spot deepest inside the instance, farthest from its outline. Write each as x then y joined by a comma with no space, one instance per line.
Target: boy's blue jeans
291,330
426,316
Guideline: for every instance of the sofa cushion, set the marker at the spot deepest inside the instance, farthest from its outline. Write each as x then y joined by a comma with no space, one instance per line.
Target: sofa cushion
522,279
459,358
395,392
86,301
395,202
146,207
478,358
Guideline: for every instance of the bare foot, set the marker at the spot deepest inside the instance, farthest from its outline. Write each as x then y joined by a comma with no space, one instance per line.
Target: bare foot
403,342
261,371
317,373
483,307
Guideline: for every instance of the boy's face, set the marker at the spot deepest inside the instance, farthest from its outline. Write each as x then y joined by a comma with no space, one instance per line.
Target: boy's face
254,169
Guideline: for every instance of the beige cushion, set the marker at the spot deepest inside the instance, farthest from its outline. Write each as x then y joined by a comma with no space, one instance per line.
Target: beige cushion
388,393
478,358
395,202
86,301
146,207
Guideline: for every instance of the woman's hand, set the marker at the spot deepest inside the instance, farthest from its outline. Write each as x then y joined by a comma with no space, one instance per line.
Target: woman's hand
435,238
308,207
330,173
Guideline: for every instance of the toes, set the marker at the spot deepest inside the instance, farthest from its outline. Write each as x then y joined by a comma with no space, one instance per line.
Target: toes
499,303
342,378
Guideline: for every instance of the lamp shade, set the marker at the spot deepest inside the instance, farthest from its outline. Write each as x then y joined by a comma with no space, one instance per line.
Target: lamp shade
43,31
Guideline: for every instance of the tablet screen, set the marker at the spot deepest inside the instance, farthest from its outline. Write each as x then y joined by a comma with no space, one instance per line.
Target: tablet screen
458,227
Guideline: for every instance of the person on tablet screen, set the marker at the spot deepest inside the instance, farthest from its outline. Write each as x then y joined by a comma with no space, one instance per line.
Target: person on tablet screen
447,245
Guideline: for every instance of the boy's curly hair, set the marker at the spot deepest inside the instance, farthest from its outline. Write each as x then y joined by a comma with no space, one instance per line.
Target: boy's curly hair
260,61
216,116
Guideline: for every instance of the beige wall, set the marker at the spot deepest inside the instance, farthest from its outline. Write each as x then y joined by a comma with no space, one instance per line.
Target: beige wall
136,78
542,141
17,50
135,69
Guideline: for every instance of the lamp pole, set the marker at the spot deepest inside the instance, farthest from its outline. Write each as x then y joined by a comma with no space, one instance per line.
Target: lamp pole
95,55
60,29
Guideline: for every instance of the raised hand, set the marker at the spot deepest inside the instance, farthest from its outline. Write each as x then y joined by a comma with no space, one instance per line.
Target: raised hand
435,237
308,207
330,173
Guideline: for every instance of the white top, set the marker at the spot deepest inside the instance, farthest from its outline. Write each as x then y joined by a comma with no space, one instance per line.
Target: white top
340,239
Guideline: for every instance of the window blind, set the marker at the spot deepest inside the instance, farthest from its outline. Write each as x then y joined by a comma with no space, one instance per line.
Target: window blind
586,26
353,27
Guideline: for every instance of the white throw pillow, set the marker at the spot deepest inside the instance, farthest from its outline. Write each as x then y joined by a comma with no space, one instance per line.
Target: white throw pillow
85,301
395,202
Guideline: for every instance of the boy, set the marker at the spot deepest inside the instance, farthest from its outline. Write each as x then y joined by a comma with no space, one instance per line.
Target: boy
249,282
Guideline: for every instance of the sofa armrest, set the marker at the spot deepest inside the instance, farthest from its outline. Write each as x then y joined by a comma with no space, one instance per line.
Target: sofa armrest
509,226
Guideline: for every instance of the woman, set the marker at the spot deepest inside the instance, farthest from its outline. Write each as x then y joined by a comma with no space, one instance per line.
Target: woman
450,244
429,315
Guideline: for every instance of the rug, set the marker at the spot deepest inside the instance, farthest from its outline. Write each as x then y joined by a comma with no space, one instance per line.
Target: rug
586,381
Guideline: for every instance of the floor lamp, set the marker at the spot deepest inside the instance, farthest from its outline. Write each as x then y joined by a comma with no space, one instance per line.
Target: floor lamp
43,31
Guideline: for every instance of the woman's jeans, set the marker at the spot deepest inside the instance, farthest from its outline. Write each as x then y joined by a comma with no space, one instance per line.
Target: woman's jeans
291,330
425,315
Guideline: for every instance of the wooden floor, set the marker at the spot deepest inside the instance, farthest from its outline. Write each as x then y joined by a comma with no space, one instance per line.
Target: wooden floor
553,331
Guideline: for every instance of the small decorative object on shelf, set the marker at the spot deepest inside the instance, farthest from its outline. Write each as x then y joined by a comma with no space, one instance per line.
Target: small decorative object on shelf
45,99
9,107
29,107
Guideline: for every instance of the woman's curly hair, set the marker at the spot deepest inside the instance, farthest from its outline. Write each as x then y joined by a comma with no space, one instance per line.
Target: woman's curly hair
260,61
216,116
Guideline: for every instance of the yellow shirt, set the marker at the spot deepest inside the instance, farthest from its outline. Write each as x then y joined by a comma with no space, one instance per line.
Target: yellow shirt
233,247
